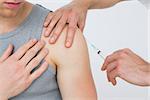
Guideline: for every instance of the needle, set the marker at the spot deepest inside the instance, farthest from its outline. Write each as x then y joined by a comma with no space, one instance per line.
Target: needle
99,52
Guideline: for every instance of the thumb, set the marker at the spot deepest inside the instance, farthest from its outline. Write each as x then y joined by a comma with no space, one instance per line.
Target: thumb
7,53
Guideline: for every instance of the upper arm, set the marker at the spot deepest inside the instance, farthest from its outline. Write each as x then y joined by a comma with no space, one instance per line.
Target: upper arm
73,68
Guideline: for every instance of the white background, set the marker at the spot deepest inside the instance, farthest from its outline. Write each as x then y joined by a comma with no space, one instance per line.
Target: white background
149,40
121,26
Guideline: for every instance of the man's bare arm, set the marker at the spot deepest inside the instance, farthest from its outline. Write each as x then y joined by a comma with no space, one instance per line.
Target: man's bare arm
73,68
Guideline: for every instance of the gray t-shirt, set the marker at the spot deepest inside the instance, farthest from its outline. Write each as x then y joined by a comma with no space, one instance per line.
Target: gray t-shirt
45,87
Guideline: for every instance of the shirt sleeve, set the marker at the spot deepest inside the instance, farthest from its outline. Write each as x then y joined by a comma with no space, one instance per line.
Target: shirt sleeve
146,3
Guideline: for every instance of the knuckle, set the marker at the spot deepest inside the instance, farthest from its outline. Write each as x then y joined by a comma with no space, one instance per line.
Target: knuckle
41,56
73,13
28,44
61,24
119,63
69,38
40,44
72,27
66,14
27,82
55,19
55,34
67,11
18,65
51,25
35,61
122,55
18,70
14,57
31,52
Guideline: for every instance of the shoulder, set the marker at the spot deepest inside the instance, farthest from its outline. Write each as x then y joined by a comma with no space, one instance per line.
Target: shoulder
59,53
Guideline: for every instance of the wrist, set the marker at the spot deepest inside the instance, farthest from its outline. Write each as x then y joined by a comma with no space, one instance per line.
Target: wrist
85,3
3,98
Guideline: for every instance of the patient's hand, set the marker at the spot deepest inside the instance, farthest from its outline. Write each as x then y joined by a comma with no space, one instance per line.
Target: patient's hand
128,66
15,69
74,14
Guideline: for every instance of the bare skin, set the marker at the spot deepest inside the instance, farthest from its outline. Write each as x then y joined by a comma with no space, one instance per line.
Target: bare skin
75,15
128,66
15,72
15,68
72,65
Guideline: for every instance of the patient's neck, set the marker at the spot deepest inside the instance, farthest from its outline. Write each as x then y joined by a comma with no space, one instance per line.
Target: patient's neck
9,24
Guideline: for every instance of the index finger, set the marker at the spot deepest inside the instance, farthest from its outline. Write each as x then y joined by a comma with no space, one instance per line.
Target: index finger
58,29
109,59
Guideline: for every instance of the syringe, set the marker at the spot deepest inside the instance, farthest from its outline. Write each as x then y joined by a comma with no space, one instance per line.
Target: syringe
99,52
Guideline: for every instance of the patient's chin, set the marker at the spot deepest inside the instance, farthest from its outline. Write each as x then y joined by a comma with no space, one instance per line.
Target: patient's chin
9,14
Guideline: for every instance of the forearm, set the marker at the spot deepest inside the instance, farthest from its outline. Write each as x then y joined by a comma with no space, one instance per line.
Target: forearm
3,98
148,75
97,4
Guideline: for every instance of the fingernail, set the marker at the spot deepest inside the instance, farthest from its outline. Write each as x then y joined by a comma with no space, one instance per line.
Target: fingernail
52,40
46,33
34,40
45,24
68,44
